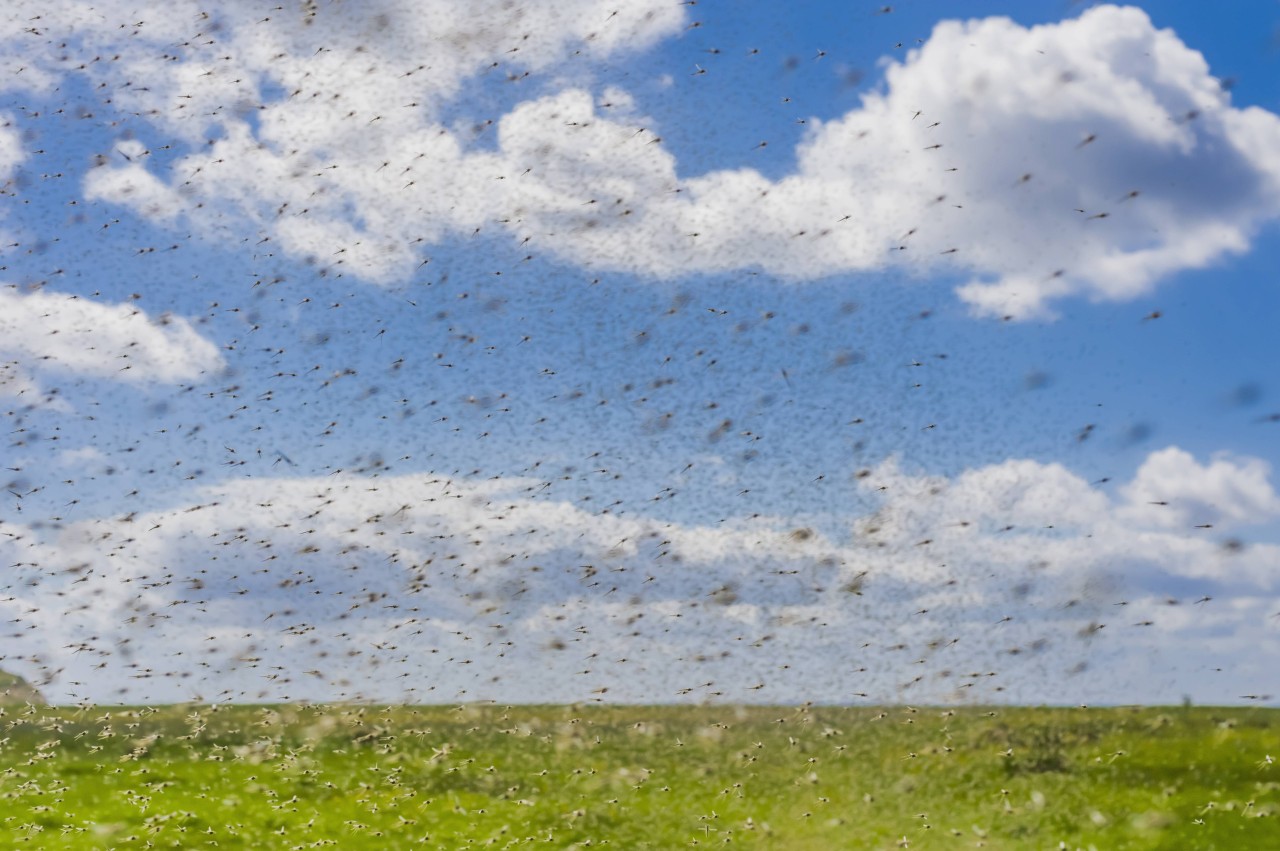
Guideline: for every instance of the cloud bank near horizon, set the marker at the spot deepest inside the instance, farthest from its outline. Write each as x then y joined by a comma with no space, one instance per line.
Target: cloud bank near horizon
1021,567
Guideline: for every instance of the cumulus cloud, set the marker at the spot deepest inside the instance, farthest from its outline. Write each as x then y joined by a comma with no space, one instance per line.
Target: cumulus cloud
17,383
325,128
1088,158
1172,490
11,150
54,331
12,155
1042,516
134,186
1092,157
498,589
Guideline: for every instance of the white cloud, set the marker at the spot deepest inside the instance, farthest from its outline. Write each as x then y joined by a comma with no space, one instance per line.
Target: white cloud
1026,513
55,331
81,457
43,329
134,186
1172,490
327,125
16,383
361,576
978,143
11,150
331,139
12,154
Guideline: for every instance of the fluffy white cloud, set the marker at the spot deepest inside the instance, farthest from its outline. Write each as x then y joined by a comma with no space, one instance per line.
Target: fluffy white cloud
55,331
16,383
386,583
11,150
134,186
12,155
43,329
1173,490
1091,157
1023,513
324,127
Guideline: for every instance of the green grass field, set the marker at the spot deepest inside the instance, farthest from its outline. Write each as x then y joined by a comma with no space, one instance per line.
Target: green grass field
639,777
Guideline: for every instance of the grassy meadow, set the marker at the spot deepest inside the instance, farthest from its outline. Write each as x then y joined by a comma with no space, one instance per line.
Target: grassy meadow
347,776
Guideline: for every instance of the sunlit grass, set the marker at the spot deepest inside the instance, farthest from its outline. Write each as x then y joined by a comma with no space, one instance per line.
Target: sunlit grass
639,777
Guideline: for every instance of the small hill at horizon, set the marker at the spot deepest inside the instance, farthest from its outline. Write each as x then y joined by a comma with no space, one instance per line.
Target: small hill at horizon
14,689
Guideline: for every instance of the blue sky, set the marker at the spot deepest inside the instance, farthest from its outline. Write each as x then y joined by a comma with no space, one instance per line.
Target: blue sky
715,351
